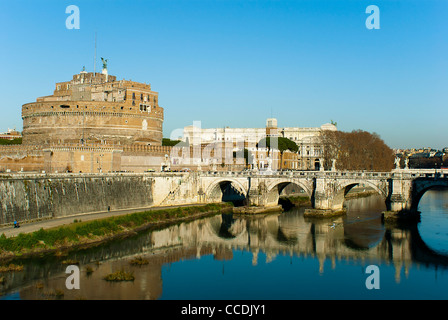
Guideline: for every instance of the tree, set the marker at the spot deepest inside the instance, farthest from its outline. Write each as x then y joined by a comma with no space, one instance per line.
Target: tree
248,157
13,141
283,144
169,142
357,150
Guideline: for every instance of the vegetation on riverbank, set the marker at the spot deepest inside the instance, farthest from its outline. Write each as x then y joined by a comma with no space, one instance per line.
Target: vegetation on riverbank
120,275
139,261
99,230
361,194
299,200
11,268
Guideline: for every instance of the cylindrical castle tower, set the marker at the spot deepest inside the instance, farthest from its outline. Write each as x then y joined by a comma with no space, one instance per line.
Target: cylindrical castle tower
95,108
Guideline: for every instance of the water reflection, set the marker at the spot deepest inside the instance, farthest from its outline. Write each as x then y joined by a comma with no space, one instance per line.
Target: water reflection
434,220
363,228
248,243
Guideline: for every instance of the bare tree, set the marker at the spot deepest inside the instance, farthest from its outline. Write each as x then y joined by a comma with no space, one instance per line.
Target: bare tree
357,150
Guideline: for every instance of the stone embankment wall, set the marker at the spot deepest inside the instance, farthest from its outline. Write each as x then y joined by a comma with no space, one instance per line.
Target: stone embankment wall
45,196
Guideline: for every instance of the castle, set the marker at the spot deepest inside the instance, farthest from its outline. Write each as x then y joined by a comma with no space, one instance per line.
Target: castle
95,123
92,123
95,108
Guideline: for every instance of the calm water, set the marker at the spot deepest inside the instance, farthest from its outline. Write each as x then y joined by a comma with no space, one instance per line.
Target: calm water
275,256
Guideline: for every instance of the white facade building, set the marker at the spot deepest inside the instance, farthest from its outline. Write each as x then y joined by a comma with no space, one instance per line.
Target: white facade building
308,139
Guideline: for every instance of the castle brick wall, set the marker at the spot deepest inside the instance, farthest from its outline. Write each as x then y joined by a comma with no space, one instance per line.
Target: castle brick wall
69,122
76,158
16,158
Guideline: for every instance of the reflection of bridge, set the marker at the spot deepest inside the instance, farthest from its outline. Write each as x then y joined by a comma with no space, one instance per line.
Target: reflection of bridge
401,189
292,234
288,233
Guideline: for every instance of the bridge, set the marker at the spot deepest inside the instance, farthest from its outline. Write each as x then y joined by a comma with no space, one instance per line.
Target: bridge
27,196
401,189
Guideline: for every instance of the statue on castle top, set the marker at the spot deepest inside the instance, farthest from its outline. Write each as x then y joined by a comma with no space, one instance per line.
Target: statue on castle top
104,63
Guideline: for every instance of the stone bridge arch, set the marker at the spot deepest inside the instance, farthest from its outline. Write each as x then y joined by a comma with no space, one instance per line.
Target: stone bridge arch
275,188
421,185
335,191
217,189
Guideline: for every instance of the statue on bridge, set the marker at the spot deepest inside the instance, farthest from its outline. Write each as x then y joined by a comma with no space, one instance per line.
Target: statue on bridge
397,163
254,164
406,163
269,164
333,164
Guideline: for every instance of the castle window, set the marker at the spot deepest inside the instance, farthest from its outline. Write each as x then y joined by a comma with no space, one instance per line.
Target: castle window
133,95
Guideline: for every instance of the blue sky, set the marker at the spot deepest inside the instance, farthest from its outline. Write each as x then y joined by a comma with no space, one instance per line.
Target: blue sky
237,62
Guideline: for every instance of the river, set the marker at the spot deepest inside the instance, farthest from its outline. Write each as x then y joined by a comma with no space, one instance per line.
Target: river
274,256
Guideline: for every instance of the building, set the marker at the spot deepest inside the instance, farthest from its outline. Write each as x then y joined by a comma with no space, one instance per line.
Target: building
96,123
95,108
307,139
11,134
92,123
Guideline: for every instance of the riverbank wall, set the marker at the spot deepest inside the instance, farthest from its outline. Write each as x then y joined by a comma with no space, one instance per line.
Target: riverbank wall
43,197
